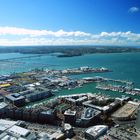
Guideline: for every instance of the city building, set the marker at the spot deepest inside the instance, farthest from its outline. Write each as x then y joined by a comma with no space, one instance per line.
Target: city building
9,130
70,117
5,124
68,131
138,119
15,99
96,104
94,132
58,135
77,99
89,117
3,105
126,112
38,95
47,116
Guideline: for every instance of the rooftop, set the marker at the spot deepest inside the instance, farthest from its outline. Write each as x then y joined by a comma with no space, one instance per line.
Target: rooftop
96,130
5,124
127,110
89,113
70,112
14,97
3,105
16,130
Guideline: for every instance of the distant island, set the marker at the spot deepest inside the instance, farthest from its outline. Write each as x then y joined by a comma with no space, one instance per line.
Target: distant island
68,51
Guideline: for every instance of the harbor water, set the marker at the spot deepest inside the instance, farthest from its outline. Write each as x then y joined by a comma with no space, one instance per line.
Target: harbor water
124,66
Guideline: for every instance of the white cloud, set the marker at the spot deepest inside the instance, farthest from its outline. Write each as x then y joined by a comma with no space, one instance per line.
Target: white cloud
23,31
133,9
10,36
103,34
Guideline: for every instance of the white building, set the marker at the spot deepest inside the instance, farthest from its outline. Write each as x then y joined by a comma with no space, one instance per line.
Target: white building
94,132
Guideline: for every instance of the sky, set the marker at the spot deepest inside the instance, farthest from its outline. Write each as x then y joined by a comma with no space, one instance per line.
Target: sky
69,22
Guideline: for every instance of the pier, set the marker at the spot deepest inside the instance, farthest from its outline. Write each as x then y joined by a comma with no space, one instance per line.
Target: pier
120,81
127,89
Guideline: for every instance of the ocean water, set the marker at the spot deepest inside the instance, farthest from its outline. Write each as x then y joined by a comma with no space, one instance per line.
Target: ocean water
125,66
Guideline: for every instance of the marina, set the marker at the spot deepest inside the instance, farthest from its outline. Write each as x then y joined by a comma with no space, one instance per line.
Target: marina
126,88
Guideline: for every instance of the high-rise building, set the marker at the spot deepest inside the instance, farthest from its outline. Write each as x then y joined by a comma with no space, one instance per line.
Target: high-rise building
70,117
138,119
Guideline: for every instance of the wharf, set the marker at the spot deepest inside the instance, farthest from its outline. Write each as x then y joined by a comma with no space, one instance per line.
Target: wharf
119,81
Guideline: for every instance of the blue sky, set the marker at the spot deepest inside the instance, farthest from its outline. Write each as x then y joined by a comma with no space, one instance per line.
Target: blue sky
70,22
